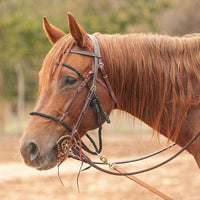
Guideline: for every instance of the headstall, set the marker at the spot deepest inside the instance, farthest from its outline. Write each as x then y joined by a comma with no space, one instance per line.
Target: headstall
65,143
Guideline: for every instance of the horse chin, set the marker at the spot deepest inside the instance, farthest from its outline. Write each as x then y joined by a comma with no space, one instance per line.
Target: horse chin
48,161
46,167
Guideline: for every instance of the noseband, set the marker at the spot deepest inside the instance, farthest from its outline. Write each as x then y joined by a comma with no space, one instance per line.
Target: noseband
91,100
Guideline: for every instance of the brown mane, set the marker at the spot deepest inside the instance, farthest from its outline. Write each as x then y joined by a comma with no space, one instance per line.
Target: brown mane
156,77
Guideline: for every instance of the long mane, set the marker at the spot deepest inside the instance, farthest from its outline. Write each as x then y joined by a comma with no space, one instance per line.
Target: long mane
156,78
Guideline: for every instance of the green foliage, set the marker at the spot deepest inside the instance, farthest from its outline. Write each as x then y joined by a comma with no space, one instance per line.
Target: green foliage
115,16
23,41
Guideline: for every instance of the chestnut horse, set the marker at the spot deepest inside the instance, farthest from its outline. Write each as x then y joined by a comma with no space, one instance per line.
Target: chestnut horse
155,78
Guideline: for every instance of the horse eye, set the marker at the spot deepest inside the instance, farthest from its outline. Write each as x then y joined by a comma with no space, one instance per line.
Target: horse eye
69,80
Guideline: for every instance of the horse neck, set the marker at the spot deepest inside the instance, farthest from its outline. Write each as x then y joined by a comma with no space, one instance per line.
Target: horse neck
139,67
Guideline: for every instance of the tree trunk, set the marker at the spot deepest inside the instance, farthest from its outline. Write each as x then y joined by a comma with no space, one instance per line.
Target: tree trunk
2,124
21,97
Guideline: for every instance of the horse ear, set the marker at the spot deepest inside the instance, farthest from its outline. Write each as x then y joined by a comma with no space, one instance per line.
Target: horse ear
52,32
76,31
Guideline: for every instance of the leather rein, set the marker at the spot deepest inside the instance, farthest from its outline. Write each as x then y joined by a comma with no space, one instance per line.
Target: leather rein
71,145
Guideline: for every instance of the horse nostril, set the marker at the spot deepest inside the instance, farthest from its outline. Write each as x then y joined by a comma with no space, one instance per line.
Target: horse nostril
32,150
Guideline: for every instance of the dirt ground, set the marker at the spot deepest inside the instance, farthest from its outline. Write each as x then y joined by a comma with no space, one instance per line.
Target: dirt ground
179,179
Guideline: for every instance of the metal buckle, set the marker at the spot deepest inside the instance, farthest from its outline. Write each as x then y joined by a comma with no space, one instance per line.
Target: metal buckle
63,144
106,161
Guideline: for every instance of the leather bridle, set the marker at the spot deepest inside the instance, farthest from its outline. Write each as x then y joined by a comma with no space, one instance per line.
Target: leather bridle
91,99
71,145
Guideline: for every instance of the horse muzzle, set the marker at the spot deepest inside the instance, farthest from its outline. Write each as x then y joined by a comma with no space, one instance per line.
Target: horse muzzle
35,156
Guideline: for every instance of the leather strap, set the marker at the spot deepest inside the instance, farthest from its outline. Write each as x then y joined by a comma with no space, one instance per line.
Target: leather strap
98,62
106,79
85,53
143,184
90,162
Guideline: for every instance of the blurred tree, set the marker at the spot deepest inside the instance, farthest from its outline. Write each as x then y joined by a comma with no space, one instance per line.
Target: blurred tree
181,18
24,43
116,16
1,103
21,99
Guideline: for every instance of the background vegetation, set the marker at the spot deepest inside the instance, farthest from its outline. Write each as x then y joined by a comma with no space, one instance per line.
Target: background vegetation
23,44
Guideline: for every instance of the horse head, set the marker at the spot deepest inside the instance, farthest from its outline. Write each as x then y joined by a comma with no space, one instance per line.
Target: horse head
58,85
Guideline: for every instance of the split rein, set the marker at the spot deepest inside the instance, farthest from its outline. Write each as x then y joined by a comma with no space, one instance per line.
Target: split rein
71,145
